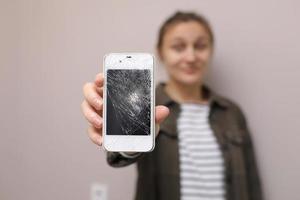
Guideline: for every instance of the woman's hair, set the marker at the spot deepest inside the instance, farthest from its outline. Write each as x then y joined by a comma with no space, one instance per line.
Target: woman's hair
183,17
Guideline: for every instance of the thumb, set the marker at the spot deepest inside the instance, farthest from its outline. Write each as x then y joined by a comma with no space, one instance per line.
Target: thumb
160,115
161,112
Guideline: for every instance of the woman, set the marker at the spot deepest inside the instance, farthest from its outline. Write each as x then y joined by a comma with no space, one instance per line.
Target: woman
203,149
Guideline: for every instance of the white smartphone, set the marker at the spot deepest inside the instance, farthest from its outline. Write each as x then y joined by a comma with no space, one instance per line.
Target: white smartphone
128,96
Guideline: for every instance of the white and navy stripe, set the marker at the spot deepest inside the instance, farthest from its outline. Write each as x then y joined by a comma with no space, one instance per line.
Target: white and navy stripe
201,161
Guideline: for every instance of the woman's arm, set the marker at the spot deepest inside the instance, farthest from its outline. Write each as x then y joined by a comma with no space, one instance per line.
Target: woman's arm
254,182
122,159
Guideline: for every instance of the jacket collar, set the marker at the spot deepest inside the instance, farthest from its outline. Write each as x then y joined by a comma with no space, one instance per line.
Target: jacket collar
162,97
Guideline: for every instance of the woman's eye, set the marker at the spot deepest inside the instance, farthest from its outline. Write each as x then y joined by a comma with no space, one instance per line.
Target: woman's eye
201,46
178,48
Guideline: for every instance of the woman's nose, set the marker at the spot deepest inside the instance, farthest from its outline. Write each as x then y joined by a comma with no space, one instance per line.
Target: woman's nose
190,55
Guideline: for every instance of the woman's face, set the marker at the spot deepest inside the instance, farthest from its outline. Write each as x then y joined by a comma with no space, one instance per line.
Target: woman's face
186,51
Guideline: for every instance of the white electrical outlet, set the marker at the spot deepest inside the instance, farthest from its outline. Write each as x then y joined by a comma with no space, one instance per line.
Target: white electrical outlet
98,191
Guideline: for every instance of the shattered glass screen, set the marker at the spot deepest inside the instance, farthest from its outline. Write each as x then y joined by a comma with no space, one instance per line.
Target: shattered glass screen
128,102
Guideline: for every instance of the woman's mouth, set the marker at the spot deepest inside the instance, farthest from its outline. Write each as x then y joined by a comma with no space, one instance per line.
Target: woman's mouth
190,70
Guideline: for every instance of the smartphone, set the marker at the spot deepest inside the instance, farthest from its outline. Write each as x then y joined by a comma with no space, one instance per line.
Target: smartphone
128,96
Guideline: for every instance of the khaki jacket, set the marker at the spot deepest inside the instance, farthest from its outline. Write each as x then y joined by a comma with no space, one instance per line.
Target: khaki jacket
158,171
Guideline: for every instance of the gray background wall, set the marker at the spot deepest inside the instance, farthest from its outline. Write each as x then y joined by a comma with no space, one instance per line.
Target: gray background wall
49,49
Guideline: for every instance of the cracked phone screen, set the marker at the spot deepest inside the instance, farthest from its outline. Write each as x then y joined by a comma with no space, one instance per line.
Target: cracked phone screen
128,102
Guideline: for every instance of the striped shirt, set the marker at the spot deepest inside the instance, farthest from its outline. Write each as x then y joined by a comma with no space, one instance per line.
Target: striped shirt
201,162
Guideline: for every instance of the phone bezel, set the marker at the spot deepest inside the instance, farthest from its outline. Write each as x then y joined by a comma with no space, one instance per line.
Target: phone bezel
124,143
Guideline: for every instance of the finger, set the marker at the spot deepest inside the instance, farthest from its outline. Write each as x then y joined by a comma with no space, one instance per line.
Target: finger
95,135
156,129
161,112
92,96
91,115
100,91
99,79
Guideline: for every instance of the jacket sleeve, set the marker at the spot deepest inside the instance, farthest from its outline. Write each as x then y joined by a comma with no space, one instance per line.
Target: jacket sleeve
254,182
115,159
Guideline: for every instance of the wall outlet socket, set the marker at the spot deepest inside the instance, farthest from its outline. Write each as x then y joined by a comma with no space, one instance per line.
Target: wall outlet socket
99,191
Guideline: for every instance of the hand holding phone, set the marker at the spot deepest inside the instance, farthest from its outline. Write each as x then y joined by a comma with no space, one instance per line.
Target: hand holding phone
92,108
129,102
